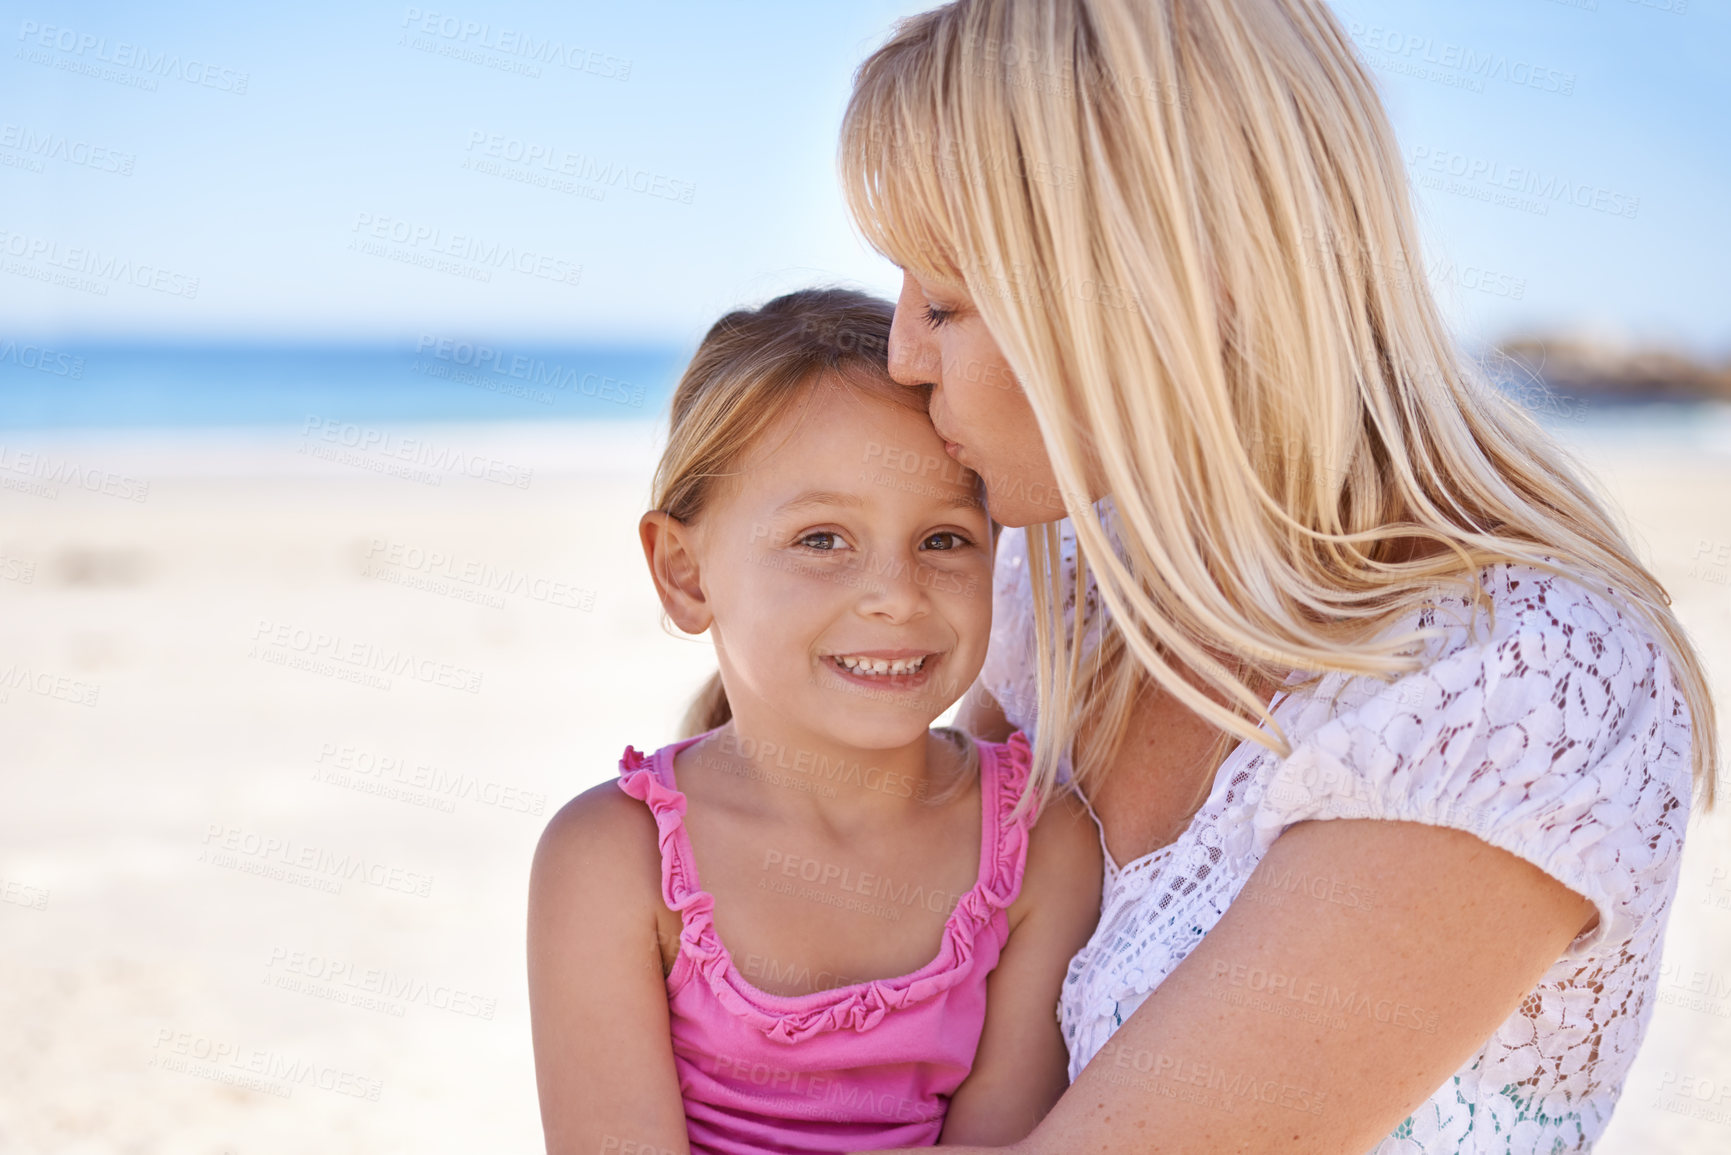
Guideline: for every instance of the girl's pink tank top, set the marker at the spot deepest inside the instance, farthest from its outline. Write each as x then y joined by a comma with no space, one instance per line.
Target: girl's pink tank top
856,1068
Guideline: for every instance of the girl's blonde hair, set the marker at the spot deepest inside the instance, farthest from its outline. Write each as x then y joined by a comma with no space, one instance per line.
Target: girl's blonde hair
1186,223
749,369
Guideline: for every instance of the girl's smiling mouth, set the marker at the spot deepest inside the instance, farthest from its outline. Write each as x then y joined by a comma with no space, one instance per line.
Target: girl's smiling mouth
897,669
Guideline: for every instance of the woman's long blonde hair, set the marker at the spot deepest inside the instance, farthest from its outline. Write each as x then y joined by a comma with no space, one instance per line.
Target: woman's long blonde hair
1187,225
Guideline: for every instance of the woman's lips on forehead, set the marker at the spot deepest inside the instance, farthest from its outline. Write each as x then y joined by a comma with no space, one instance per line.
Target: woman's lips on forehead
938,421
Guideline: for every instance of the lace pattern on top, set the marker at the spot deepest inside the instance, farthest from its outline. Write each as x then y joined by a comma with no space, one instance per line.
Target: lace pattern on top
1558,736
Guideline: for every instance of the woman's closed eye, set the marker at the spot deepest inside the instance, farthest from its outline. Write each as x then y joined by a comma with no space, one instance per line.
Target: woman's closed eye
936,317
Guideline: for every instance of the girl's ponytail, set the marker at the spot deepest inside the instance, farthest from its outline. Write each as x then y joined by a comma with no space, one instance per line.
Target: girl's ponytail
708,709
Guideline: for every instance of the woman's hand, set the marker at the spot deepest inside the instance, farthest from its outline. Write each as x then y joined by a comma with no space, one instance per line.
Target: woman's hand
1306,1025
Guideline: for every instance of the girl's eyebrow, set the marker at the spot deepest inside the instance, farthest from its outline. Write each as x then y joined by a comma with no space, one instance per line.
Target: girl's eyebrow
855,501
821,497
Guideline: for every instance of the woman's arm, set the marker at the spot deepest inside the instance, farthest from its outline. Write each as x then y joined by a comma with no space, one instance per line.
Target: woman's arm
1307,1026
597,997
1021,1066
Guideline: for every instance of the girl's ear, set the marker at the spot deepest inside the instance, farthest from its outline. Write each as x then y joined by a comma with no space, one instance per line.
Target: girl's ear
670,550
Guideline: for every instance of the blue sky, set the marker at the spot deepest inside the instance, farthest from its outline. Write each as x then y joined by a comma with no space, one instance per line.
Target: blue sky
305,163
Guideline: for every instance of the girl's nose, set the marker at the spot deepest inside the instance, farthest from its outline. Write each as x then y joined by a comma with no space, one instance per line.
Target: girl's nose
892,591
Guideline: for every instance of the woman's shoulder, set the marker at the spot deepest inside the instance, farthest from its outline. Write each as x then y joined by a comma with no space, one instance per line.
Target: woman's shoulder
1546,641
1530,601
1558,671
1550,727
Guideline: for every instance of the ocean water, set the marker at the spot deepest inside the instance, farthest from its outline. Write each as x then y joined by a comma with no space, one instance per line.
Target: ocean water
47,386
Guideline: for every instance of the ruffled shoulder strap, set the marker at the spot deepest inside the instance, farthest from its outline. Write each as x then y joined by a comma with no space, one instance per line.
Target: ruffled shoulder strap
788,1019
650,781
1004,769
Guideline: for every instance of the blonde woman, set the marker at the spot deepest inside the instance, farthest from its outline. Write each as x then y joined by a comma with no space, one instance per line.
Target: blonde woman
1389,736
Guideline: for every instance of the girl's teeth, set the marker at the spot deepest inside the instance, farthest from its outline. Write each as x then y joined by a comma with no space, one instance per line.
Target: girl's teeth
875,666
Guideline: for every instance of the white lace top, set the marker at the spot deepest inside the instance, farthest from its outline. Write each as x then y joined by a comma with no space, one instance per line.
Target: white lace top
1559,737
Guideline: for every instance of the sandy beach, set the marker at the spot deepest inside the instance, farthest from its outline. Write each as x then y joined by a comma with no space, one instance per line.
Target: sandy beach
283,714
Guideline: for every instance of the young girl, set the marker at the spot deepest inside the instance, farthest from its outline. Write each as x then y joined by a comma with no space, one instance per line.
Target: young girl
814,924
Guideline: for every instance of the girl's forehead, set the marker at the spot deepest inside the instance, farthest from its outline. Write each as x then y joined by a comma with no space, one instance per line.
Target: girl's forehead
838,441
834,413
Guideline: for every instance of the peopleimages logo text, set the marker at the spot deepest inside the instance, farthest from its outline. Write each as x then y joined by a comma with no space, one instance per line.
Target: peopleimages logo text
91,262
467,247
536,371
583,167
480,34
1523,179
1479,64
41,359
121,54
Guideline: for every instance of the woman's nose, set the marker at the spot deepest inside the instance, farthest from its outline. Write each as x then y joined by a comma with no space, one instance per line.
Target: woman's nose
914,356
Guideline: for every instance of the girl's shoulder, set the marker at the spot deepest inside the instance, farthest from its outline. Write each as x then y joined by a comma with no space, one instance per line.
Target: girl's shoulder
607,842
1065,862
608,836
1060,849
611,812
595,884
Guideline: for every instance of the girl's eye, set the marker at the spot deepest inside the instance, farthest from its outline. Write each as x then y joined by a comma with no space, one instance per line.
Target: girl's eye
945,534
827,538
936,317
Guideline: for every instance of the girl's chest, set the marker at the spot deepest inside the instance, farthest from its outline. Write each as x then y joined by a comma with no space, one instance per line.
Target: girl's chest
801,914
